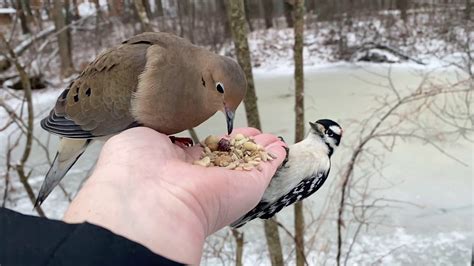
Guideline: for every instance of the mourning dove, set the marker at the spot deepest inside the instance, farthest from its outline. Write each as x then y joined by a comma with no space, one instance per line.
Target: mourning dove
157,80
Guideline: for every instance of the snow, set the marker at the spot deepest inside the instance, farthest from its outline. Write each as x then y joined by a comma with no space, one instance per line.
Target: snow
7,10
403,248
87,8
272,49
398,248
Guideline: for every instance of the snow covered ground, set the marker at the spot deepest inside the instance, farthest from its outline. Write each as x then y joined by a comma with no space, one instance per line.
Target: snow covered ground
273,48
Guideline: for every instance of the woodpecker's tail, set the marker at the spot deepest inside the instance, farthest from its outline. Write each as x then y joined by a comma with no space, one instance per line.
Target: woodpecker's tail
256,212
69,151
263,210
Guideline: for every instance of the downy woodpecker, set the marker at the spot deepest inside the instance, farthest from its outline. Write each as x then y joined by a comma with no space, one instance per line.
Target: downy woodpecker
303,173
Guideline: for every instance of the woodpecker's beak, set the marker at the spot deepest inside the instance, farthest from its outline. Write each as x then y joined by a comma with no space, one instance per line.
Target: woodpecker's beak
229,114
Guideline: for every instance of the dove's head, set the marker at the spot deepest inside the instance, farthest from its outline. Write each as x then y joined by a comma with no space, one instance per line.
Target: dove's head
226,85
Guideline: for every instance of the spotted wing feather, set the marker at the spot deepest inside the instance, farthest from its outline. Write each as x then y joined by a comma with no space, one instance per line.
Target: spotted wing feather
97,103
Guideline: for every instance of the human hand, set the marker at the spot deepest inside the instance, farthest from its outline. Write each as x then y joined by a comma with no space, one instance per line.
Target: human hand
146,189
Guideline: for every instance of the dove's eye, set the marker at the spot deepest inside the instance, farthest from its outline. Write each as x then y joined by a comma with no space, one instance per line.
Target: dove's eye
220,87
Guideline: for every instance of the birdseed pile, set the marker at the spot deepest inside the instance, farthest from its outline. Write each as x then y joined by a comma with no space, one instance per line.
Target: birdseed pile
239,153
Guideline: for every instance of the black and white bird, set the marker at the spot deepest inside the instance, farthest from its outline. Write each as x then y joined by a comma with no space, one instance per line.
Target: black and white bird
303,173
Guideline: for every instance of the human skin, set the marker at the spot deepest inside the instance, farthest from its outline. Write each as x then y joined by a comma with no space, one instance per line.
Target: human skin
146,189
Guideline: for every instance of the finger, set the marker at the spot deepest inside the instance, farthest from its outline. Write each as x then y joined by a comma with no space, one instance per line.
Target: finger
269,168
279,152
265,171
267,139
239,191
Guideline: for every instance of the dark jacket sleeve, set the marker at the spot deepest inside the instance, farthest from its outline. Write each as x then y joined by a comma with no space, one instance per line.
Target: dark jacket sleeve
30,240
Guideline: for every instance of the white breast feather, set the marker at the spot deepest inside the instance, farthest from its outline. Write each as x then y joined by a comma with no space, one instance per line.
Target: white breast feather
306,159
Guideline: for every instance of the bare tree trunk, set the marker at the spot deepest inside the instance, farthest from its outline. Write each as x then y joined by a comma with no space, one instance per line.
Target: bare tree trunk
236,12
116,7
342,40
310,6
98,16
27,8
75,10
179,5
288,10
47,9
299,233
247,14
147,7
299,119
64,42
239,34
239,241
186,18
472,252
299,74
402,6
192,20
467,10
142,15
159,8
268,13
23,21
96,5
221,9
37,14
273,242
25,4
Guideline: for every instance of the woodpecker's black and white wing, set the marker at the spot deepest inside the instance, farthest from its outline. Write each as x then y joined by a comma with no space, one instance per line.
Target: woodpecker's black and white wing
304,189
305,172
266,210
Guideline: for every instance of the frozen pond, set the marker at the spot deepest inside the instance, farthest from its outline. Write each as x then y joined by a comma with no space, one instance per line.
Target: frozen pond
436,228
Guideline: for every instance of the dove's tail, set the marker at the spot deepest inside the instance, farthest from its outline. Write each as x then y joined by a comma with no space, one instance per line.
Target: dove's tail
69,151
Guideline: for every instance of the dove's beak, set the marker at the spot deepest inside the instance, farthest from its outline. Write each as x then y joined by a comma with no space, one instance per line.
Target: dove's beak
229,114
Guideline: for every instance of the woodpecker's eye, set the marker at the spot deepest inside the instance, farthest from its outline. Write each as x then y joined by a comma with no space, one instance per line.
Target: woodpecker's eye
203,82
220,87
329,133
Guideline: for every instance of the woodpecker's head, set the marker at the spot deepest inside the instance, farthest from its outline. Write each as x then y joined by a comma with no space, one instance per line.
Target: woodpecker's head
329,131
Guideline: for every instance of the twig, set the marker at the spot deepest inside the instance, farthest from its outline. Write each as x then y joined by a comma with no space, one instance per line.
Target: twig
20,167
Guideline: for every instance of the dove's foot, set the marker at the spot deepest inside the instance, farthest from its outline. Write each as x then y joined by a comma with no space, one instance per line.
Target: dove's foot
187,142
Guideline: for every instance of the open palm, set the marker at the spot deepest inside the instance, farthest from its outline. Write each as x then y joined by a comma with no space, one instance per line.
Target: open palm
149,188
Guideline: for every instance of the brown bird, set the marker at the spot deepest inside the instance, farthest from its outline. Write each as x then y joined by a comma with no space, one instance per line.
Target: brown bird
157,80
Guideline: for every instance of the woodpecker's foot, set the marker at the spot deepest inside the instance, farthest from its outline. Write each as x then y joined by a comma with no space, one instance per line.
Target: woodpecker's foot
187,142
287,153
287,150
